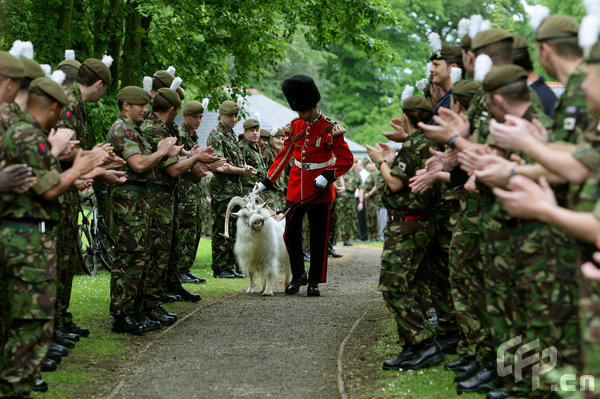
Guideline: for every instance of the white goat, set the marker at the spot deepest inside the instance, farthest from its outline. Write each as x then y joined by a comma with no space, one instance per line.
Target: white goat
259,247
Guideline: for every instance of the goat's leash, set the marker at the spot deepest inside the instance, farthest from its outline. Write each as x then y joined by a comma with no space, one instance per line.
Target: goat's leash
303,201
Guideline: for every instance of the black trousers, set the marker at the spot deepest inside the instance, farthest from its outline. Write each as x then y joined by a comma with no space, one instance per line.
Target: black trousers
318,219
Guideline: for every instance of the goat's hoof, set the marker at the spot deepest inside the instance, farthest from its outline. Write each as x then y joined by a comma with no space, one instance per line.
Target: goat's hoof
270,293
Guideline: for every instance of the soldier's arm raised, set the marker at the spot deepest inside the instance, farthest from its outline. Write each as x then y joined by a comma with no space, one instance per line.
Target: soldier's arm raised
140,163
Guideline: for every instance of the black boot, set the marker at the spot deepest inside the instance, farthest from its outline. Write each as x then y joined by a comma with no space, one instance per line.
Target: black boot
54,356
159,315
149,325
75,329
461,361
468,371
497,395
191,275
40,386
294,286
429,354
407,352
61,333
485,380
184,294
61,350
128,325
313,289
48,365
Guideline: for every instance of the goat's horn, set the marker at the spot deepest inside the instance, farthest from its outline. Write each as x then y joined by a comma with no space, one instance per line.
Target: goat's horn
233,202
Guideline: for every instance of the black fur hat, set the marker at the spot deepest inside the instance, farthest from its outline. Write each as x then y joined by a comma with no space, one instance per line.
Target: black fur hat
301,92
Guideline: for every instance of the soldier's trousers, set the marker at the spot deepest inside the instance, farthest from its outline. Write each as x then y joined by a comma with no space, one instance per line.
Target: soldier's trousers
223,258
333,224
467,285
159,237
403,279
372,221
131,207
186,237
589,313
348,219
31,257
67,256
318,219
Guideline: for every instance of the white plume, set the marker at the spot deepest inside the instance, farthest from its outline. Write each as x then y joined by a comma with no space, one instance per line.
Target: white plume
421,84
435,42
47,69
240,102
205,102
69,54
486,24
408,92
592,7
537,15
27,50
147,84
257,117
171,70
22,49
463,27
589,31
455,74
428,70
17,49
273,131
475,25
176,83
58,76
107,60
483,64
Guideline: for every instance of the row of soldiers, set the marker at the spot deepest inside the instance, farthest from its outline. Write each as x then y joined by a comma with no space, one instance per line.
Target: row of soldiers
492,208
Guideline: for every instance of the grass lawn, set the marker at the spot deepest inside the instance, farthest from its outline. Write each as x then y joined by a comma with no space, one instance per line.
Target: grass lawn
95,360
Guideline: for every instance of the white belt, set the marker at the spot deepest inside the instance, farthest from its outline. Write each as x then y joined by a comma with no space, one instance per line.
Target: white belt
311,166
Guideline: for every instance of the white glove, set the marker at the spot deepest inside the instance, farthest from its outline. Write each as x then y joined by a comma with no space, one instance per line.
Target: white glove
258,187
320,182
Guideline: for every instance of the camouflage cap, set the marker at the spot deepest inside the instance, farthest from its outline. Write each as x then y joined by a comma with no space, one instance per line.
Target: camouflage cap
557,27
193,107
416,104
180,93
594,56
447,53
74,63
47,87
99,68
502,76
164,78
279,133
10,66
265,133
490,36
170,95
519,43
251,124
465,88
133,95
228,107
465,42
33,70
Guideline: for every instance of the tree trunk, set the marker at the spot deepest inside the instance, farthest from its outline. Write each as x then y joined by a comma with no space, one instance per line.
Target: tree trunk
115,25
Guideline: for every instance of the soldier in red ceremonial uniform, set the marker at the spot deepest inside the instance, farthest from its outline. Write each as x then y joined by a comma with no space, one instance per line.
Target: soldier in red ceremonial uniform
312,140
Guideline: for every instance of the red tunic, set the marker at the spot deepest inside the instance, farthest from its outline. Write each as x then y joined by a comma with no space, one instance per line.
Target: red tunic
316,142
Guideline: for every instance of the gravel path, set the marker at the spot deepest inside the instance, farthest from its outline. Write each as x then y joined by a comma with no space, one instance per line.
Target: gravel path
249,346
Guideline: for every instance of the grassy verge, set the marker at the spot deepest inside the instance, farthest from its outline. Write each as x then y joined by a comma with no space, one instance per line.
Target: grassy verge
94,362
431,383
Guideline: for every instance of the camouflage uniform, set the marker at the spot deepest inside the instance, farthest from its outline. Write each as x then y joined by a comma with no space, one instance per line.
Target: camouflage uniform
161,216
205,209
372,204
188,219
131,202
252,155
408,234
347,206
74,117
28,247
223,187
276,197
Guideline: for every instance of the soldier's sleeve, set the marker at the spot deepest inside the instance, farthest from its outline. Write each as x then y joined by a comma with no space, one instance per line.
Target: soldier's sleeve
35,151
284,157
216,143
596,210
67,118
344,159
124,142
588,155
408,162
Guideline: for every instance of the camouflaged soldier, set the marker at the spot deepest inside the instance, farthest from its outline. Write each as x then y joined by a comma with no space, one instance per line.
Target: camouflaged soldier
372,201
12,70
91,83
252,154
188,218
70,66
346,207
131,206
276,196
27,237
224,186
408,235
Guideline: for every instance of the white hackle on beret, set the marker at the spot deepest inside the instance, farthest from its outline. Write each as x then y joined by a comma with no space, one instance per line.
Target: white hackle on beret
486,24
592,7
421,84
475,25
483,64
428,70
21,49
408,92
47,69
147,84
463,27
273,131
589,31
205,102
455,75
240,102
58,76
69,54
107,60
257,117
176,83
537,15
171,70
435,42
